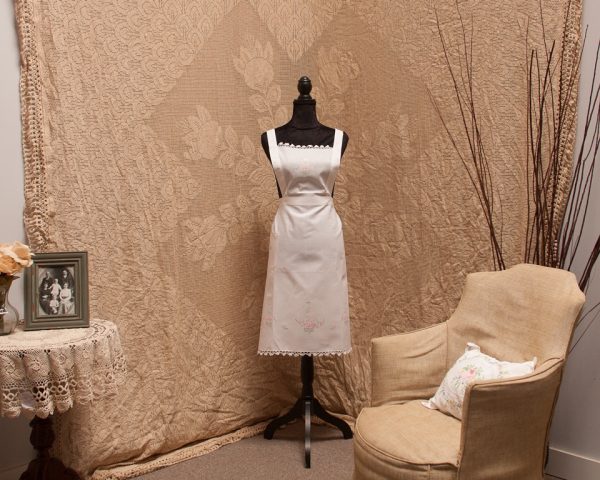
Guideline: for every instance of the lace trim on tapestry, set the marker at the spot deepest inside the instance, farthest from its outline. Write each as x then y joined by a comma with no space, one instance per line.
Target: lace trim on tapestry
299,354
571,43
282,144
36,198
119,472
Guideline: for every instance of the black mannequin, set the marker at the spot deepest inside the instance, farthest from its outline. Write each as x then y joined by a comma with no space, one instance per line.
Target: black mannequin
304,128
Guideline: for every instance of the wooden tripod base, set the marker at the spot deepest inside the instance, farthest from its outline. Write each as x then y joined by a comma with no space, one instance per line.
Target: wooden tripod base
304,407
45,467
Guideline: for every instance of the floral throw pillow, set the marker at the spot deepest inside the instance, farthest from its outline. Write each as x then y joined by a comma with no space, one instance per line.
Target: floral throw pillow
471,366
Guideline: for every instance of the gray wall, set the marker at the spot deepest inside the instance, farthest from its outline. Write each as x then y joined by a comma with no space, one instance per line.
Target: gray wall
14,433
575,438
575,434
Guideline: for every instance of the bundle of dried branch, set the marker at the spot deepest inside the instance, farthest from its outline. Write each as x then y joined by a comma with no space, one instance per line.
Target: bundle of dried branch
475,159
553,234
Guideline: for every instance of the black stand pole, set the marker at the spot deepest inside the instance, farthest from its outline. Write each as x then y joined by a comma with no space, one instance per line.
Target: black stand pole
45,467
304,407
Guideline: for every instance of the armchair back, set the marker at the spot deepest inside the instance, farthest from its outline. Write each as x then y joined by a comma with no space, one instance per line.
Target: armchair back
516,314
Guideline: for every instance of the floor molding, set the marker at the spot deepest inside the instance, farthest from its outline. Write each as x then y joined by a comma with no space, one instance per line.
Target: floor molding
571,466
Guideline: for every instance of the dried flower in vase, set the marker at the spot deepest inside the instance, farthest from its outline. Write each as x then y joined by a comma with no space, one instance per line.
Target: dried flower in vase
14,257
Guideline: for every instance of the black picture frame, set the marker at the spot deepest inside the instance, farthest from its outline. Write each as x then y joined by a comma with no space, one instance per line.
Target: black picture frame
56,291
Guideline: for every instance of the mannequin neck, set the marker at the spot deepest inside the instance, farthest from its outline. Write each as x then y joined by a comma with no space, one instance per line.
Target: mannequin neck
304,116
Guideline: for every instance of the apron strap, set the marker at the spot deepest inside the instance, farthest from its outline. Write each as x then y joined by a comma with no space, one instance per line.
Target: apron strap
336,156
275,161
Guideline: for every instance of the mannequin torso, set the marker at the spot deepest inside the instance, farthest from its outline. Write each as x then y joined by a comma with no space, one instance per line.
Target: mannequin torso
303,129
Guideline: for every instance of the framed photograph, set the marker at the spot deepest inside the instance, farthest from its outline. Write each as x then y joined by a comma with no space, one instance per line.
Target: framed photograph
56,291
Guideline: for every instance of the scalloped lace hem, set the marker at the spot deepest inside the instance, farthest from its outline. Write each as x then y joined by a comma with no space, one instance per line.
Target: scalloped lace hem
285,144
299,354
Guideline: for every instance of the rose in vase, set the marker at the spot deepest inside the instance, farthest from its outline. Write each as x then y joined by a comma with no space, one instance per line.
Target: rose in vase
14,257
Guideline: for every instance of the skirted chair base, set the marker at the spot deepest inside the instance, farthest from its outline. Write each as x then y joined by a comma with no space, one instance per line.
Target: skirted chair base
408,441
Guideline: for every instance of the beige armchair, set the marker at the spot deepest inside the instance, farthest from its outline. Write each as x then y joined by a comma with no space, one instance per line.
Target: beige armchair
514,315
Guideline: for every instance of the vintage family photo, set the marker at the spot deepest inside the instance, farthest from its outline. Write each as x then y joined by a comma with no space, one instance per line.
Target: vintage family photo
56,291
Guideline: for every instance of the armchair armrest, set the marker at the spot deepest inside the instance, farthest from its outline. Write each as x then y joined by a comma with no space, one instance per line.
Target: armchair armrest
408,366
505,424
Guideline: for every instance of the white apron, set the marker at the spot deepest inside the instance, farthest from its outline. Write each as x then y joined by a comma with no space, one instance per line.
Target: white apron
305,306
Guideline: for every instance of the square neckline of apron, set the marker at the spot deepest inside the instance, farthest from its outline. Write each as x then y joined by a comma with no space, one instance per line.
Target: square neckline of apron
332,148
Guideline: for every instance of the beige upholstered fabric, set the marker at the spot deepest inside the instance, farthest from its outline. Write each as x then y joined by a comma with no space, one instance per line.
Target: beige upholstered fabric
524,311
534,318
505,425
409,435
398,362
142,123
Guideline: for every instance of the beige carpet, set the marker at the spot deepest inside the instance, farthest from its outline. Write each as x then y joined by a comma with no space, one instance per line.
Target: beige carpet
280,458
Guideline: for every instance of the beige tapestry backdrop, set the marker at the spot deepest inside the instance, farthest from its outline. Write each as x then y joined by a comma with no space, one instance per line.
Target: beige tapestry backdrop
142,123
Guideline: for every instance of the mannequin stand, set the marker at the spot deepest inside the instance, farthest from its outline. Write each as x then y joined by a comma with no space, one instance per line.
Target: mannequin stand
304,407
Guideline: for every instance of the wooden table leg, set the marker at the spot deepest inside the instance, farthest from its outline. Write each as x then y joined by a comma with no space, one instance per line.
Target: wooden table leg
45,467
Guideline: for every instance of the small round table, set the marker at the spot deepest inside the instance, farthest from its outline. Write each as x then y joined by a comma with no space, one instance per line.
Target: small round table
48,371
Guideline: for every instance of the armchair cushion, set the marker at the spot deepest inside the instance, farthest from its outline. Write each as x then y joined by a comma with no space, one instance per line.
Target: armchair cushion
393,441
471,366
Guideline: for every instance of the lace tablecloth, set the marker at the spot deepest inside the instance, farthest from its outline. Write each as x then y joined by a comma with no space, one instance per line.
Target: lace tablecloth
47,371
